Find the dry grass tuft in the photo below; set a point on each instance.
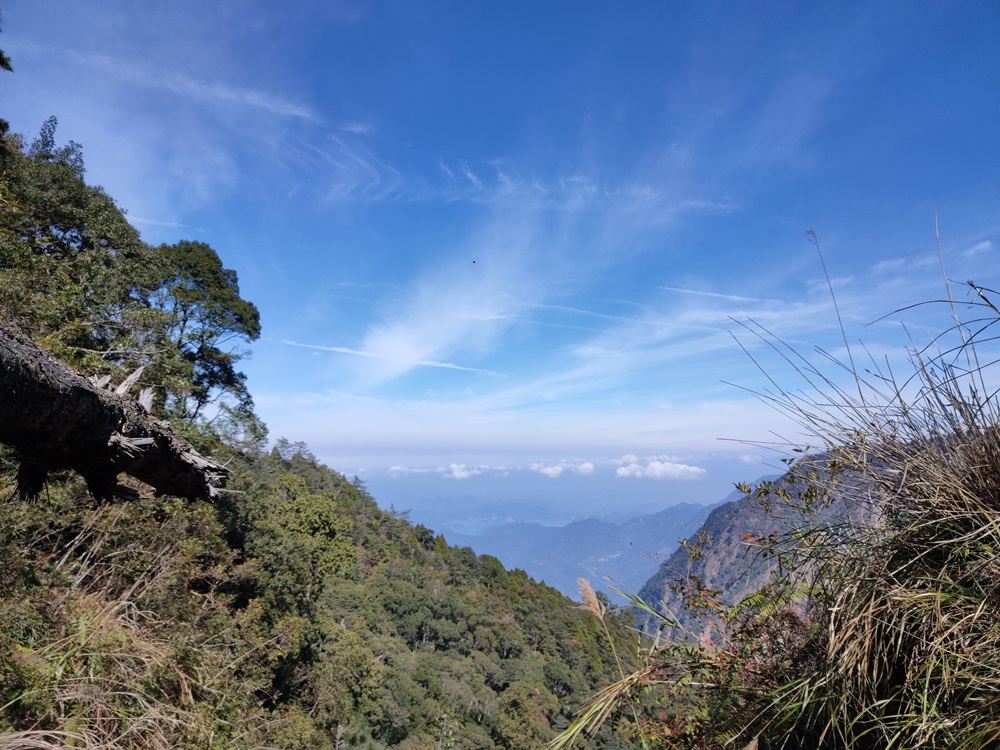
(880, 628)
(910, 597)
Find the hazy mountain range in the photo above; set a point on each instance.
(622, 554)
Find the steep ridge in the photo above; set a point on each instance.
(725, 555)
(726, 563)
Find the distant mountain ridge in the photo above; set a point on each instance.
(724, 565)
(627, 553)
(473, 516)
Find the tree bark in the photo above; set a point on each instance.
(57, 419)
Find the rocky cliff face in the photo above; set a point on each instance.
(726, 556)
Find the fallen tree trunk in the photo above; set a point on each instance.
(57, 419)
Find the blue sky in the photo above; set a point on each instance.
(500, 249)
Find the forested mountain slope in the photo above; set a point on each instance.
(290, 611)
(294, 615)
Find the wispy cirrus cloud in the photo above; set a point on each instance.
(512, 273)
(156, 222)
(460, 306)
(338, 167)
(201, 90)
(581, 311)
(377, 355)
(358, 128)
(984, 246)
(638, 199)
(719, 295)
(355, 172)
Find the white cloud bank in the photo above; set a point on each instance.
(553, 471)
(657, 467)
(461, 471)
(651, 467)
(451, 471)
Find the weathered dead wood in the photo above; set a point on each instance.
(57, 419)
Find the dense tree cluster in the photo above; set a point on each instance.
(298, 615)
(77, 277)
